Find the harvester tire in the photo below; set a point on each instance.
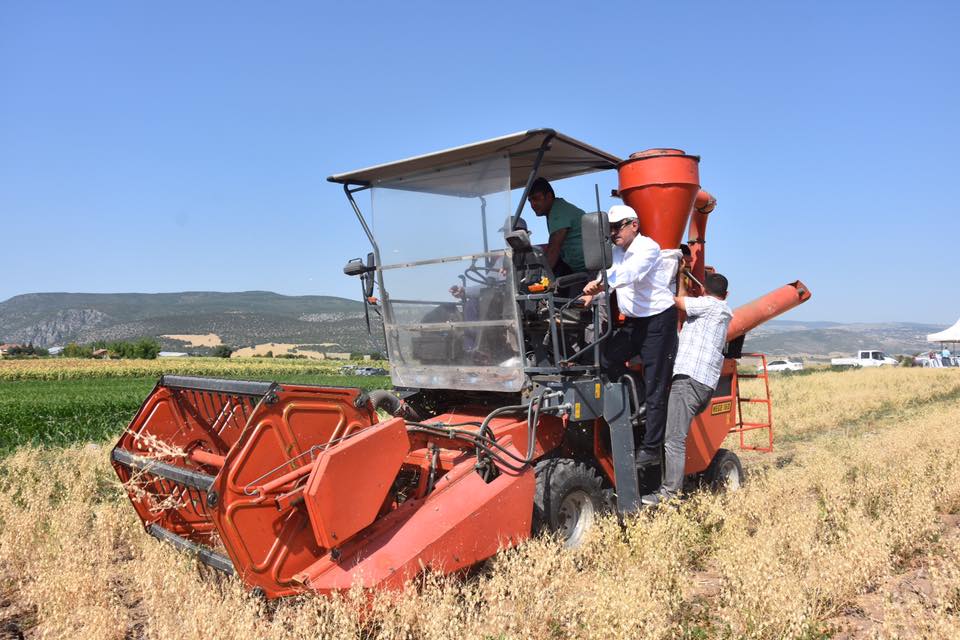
(725, 472)
(568, 499)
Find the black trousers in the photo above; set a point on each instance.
(654, 339)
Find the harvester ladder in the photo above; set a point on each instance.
(742, 427)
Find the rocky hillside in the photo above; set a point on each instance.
(829, 339)
(255, 317)
(243, 318)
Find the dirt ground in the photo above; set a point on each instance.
(195, 340)
(911, 589)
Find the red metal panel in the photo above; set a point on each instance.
(350, 481)
(189, 430)
(464, 521)
(709, 429)
(269, 539)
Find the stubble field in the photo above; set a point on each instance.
(849, 529)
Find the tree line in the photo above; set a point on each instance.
(144, 348)
(27, 350)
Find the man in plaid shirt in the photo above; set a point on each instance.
(696, 372)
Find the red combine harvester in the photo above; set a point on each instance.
(505, 424)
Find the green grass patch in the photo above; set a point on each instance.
(57, 413)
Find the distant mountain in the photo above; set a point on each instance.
(243, 318)
(256, 317)
(828, 339)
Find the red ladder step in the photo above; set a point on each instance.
(741, 426)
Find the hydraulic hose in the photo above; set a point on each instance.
(386, 401)
(483, 439)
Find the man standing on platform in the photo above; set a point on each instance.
(649, 330)
(695, 375)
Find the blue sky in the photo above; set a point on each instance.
(185, 146)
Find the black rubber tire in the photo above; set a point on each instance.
(725, 472)
(569, 496)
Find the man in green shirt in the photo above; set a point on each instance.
(565, 247)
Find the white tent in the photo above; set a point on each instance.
(947, 335)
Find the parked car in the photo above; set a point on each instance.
(370, 371)
(782, 365)
(865, 358)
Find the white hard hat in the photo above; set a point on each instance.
(620, 212)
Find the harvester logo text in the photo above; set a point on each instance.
(721, 407)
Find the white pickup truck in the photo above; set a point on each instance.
(865, 359)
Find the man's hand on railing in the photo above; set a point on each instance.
(593, 288)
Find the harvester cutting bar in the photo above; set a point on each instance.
(207, 556)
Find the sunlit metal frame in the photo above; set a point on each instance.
(565, 363)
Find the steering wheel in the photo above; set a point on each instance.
(476, 275)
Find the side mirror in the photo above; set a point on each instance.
(367, 278)
(597, 247)
(356, 267)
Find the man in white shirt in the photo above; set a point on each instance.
(695, 375)
(642, 282)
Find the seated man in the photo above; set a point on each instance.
(695, 375)
(564, 223)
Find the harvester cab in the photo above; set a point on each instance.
(472, 313)
(502, 423)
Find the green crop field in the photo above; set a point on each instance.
(54, 413)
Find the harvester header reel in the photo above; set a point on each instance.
(300, 488)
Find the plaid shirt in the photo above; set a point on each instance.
(700, 353)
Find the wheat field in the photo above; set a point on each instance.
(81, 368)
(849, 529)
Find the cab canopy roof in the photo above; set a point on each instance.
(565, 157)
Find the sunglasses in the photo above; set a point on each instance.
(616, 226)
